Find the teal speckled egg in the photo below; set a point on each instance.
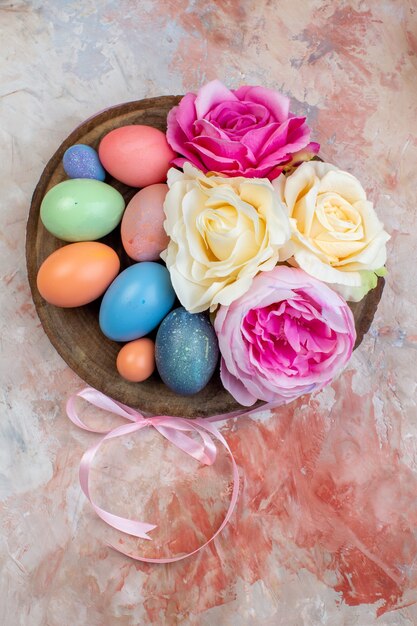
(186, 351)
(81, 209)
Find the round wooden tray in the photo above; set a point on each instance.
(75, 333)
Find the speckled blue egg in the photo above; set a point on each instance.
(186, 351)
(81, 161)
(136, 302)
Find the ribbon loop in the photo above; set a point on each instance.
(205, 453)
(177, 430)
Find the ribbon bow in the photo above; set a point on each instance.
(177, 430)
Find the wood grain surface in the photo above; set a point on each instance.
(75, 333)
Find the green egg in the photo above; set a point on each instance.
(81, 209)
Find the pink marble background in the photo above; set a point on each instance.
(325, 529)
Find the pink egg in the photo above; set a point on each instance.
(142, 230)
(136, 155)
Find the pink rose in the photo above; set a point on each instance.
(244, 132)
(290, 334)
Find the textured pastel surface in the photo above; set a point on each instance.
(186, 351)
(324, 532)
(82, 161)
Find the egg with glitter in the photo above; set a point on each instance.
(186, 351)
(81, 161)
(136, 302)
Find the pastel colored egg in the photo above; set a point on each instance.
(136, 155)
(77, 274)
(142, 230)
(186, 351)
(81, 209)
(136, 302)
(136, 360)
(81, 161)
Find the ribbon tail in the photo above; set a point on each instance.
(125, 525)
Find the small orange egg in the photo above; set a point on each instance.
(78, 273)
(136, 360)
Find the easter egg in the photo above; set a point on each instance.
(186, 351)
(77, 274)
(136, 155)
(136, 360)
(136, 302)
(81, 161)
(81, 209)
(142, 229)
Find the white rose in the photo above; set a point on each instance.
(336, 235)
(223, 231)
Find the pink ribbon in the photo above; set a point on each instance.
(177, 430)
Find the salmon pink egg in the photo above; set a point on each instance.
(136, 360)
(78, 273)
(136, 155)
(143, 233)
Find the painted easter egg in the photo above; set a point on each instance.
(186, 351)
(142, 229)
(136, 155)
(81, 161)
(77, 274)
(81, 209)
(136, 302)
(136, 360)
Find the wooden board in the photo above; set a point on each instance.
(75, 333)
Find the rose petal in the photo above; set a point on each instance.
(210, 95)
(276, 103)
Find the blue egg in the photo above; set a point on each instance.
(136, 301)
(186, 351)
(82, 161)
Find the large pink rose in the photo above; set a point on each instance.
(290, 334)
(247, 132)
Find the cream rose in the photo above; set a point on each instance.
(223, 231)
(336, 235)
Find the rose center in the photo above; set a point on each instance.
(231, 233)
(337, 228)
(237, 118)
(287, 336)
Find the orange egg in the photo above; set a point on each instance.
(78, 273)
(136, 360)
